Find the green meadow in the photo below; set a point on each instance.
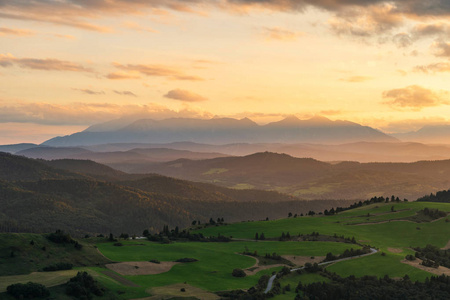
(215, 263)
(384, 226)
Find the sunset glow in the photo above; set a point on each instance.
(68, 64)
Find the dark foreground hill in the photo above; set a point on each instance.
(91, 198)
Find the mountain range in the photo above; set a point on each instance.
(223, 131)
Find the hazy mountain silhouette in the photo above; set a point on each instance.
(435, 134)
(13, 148)
(223, 131)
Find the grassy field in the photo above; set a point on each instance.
(380, 225)
(215, 263)
(376, 225)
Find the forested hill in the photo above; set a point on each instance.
(312, 179)
(35, 197)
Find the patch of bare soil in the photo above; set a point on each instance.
(302, 260)
(438, 271)
(446, 247)
(141, 267)
(174, 290)
(395, 250)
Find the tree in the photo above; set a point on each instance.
(194, 223)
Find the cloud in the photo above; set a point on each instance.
(441, 48)
(90, 92)
(137, 27)
(185, 96)
(434, 29)
(402, 40)
(65, 36)
(279, 34)
(360, 18)
(152, 70)
(125, 93)
(68, 20)
(48, 64)
(88, 113)
(356, 79)
(413, 97)
(122, 75)
(15, 32)
(366, 21)
(433, 68)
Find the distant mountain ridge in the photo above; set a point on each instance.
(223, 131)
(433, 134)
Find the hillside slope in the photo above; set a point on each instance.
(39, 198)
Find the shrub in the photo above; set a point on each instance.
(186, 260)
(28, 290)
(155, 261)
(238, 273)
(58, 266)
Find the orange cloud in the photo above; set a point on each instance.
(434, 68)
(442, 48)
(125, 93)
(413, 97)
(89, 113)
(48, 64)
(154, 70)
(280, 34)
(16, 32)
(122, 75)
(90, 92)
(185, 96)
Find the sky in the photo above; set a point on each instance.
(69, 64)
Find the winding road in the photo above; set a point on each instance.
(271, 279)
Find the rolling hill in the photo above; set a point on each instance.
(311, 179)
